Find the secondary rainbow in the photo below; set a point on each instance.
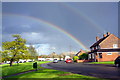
(81, 14)
(54, 27)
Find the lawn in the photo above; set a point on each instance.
(8, 70)
(41, 74)
(108, 62)
(46, 74)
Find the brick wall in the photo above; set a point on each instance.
(79, 61)
(108, 42)
(106, 57)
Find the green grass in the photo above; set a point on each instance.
(108, 62)
(8, 70)
(50, 74)
(41, 74)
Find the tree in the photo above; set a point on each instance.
(83, 56)
(14, 50)
(5, 55)
(60, 56)
(75, 58)
(63, 55)
(72, 55)
(53, 55)
(44, 56)
(33, 53)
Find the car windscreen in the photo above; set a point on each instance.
(69, 59)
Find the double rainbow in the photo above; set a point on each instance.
(52, 26)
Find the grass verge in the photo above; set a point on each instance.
(46, 74)
(41, 74)
(108, 62)
(8, 70)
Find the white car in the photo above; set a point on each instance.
(55, 61)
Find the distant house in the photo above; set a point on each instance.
(106, 48)
(80, 52)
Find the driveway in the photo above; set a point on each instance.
(101, 71)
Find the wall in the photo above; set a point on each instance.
(109, 41)
(79, 61)
(106, 57)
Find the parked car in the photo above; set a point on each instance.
(24, 61)
(68, 61)
(60, 60)
(117, 61)
(55, 61)
(20, 62)
(8, 62)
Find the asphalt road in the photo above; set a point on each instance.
(101, 71)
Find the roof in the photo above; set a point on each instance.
(80, 52)
(99, 41)
(106, 50)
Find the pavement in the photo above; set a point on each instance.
(95, 70)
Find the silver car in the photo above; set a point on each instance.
(55, 61)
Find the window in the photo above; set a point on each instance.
(115, 45)
(89, 56)
(98, 47)
(100, 55)
(109, 53)
(93, 56)
(92, 48)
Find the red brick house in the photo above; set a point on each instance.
(80, 52)
(106, 48)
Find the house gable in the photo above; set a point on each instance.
(80, 52)
(109, 42)
(105, 49)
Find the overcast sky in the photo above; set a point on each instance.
(84, 21)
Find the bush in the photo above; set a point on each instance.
(84, 56)
(75, 58)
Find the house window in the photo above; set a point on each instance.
(93, 56)
(115, 45)
(92, 48)
(89, 56)
(98, 47)
(109, 53)
(100, 55)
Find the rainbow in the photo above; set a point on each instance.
(81, 14)
(52, 26)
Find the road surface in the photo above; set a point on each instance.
(101, 71)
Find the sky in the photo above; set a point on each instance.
(59, 26)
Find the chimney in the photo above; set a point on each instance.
(108, 33)
(97, 38)
(104, 35)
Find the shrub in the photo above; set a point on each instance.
(75, 58)
(83, 56)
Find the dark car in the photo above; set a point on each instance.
(117, 61)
